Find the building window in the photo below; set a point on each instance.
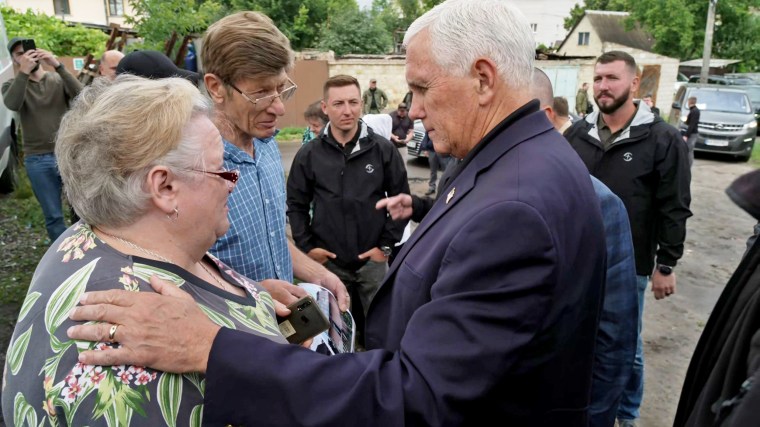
(534, 27)
(116, 7)
(61, 7)
(583, 39)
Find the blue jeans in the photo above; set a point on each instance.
(634, 389)
(47, 186)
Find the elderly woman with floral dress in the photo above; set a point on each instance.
(142, 166)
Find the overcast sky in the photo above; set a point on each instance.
(364, 4)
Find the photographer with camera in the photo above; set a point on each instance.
(41, 98)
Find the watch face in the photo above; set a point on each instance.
(664, 269)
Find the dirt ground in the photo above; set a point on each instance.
(715, 241)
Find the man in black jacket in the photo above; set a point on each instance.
(644, 162)
(692, 129)
(344, 172)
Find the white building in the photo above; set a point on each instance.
(602, 31)
(98, 12)
(547, 19)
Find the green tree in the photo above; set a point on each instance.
(576, 13)
(678, 26)
(299, 20)
(155, 20)
(355, 31)
(50, 33)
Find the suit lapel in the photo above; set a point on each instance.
(525, 129)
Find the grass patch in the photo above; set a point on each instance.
(23, 240)
(755, 158)
(290, 134)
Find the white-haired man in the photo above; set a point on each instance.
(490, 310)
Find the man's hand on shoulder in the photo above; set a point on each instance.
(165, 330)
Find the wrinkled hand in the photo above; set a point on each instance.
(398, 206)
(374, 254)
(27, 62)
(663, 286)
(321, 255)
(165, 330)
(283, 292)
(47, 58)
(332, 283)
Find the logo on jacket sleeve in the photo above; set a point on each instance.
(628, 156)
(369, 168)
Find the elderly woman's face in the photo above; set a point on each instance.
(206, 199)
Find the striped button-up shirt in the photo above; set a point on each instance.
(256, 245)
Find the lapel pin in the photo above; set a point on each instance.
(450, 195)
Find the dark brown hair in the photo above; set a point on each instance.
(560, 106)
(340, 80)
(618, 55)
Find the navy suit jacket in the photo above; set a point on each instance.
(489, 312)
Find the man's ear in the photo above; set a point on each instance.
(485, 72)
(215, 88)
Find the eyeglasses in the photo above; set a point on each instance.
(266, 101)
(231, 176)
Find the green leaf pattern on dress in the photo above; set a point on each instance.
(119, 391)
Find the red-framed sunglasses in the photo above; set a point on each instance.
(231, 176)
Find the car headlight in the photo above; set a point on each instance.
(750, 125)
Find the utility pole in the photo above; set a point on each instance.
(707, 50)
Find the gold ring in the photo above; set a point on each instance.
(112, 332)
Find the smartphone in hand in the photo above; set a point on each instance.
(28, 44)
(305, 321)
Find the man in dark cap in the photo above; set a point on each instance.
(402, 129)
(41, 98)
(153, 65)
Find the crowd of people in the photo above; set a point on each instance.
(519, 297)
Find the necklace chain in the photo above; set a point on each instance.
(160, 257)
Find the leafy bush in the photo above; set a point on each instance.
(50, 33)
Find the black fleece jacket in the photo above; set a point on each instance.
(344, 190)
(647, 166)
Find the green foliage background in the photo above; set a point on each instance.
(678, 26)
(50, 33)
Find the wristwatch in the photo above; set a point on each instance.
(386, 250)
(665, 270)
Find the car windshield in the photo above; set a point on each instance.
(754, 94)
(718, 100)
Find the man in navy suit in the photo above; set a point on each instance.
(489, 312)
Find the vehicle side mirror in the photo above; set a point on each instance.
(676, 106)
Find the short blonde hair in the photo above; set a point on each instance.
(245, 45)
(115, 133)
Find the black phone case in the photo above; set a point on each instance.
(28, 44)
(306, 320)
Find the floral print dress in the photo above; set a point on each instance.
(45, 385)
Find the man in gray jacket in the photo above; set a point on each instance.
(41, 98)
